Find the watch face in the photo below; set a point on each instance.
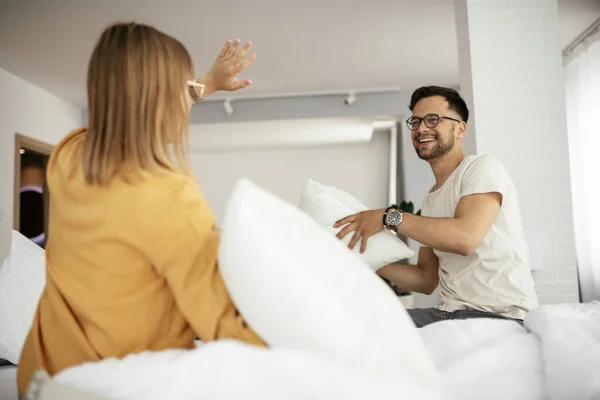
(394, 218)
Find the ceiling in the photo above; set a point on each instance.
(308, 46)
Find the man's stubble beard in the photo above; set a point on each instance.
(440, 150)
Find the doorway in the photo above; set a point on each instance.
(31, 201)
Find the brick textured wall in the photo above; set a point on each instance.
(517, 86)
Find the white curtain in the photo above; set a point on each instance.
(582, 73)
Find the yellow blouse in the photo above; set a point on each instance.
(129, 268)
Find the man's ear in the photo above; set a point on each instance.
(461, 130)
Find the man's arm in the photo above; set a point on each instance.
(482, 188)
(461, 234)
(422, 278)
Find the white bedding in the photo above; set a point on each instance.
(484, 359)
(8, 383)
(231, 370)
(570, 347)
(556, 358)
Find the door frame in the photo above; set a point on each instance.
(37, 146)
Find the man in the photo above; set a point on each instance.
(473, 242)
(32, 222)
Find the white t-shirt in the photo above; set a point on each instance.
(496, 277)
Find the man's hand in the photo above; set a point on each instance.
(364, 224)
(226, 68)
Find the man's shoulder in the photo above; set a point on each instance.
(481, 160)
(482, 164)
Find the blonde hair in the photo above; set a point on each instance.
(136, 100)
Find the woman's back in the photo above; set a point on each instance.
(131, 256)
(128, 265)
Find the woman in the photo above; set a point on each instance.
(131, 262)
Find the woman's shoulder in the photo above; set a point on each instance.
(166, 204)
(180, 203)
(178, 189)
(174, 184)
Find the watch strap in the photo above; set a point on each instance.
(192, 85)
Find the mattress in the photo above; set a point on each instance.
(8, 382)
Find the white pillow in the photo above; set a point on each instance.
(300, 288)
(22, 279)
(327, 205)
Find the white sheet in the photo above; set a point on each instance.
(231, 370)
(8, 383)
(557, 358)
(570, 347)
(484, 359)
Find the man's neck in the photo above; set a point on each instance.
(444, 166)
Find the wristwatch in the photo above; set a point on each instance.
(392, 217)
(192, 85)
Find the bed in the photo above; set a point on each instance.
(554, 356)
(478, 359)
(8, 382)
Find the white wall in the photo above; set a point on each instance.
(279, 133)
(33, 112)
(360, 168)
(512, 79)
(518, 89)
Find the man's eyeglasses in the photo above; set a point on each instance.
(196, 91)
(430, 120)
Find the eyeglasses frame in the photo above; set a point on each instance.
(440, 117)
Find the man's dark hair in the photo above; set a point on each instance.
(456, 103)
(31, 160)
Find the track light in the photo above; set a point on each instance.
(350, 99)
(228, 107)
